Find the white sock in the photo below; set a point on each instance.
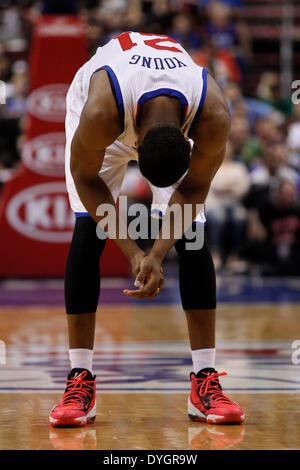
(203, 358)
(81, 359)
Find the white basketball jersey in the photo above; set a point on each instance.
(142, 66)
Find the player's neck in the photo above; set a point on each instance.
(160, 111)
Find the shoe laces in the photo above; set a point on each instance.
(209, 385)
(77, 389)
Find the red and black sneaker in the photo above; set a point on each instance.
(207, 401)
(78, 406)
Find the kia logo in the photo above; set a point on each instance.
(48, 102)
(42, 212)
(45, 154)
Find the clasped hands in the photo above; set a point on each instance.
(148, 275)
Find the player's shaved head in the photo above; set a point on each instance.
(164, 155)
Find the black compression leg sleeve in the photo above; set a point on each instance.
(196, 277)
(82, 277)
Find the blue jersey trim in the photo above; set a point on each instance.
(197, 222)
(161, 215)
(81, 214)
(118, 93)
(201, 104)
(161, 91)
(157, 212)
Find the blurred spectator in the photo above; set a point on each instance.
(220, 27)
(224, 209)
(225, 33)
(250, 108)
(268, 130)
(293, 139)
(60, 7)
(232, 3)
(16, 89)
(220, 63)
(96, 34)
(10, 23)
(10, 114)
(157, 14)
(279, 250)
(246, 147)
(5, 70)
(268, 90)
(114, 14)
(183, 31)
(12, 37)
(268, 176)
(265, 181)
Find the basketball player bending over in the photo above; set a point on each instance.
(141, 97)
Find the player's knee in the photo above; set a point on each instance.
(82, 277)
(197, 278)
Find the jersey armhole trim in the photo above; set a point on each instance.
(201, 103)
(81, 214)
(161, 91)
(116, 89)
(157, 214)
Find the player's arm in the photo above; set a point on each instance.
(210, 136)
(98, 128)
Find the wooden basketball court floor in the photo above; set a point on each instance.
(142, 361)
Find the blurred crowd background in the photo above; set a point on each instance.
(253, 209)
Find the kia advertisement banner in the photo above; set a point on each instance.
(44, 154)
(36, 221)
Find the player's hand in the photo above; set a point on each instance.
(135, 262)
(149, 280)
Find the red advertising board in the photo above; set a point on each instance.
(36, 221)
